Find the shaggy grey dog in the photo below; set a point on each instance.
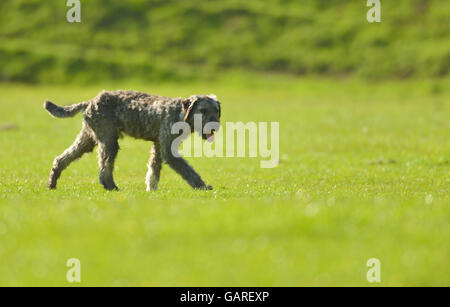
(142, 116)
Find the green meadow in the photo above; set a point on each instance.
(364, 143)
(363, 172)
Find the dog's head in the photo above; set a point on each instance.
(204, 107)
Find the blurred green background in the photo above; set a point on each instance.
(179, 40)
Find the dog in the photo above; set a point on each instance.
(140, 115)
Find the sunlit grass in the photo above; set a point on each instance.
(364, 172)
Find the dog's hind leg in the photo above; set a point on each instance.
(154, 168)
(83, 144)
(107, 153)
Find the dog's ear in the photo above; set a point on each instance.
(220, 108)
(188, 104)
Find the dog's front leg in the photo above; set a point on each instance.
(188, 173)
(179, 165)
(154, 168)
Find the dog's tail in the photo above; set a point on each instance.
(63, 112)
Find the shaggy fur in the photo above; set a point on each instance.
(140, 115)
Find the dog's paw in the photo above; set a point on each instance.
(51, 185)
(204, 188)
(112, 188)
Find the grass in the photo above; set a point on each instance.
(184, 39)
(364, 173)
